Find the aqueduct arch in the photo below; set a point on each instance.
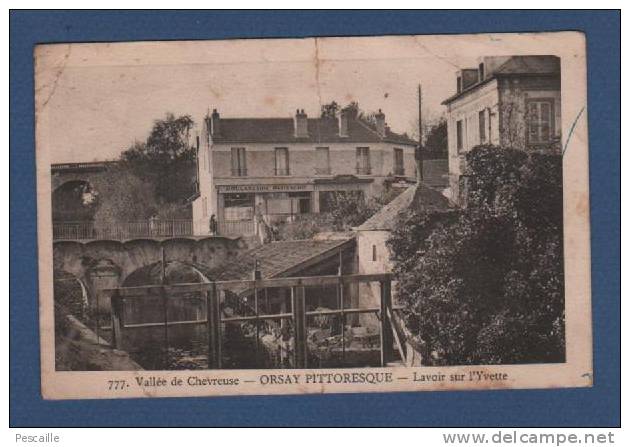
(108, 264)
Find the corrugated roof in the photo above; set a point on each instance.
(416, 197)
(320, 130)
(516, 65)
(275, 258)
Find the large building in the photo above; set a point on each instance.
(271, 169)
(508, 101)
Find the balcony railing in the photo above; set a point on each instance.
(399, 170)
(121, 230)
(364, 170)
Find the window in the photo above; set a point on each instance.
(459, 84)
(399, 162)
(238, 207)
(481, 72)
(460, 135)
(540, 121)
(374, 253)
(363, 161)
(482, 126)
(239, 162)
(282, 161)
(323, 161)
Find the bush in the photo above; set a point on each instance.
(485, 285)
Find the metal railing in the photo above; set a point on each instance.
(217, 319)
(236, 227)
(121, 230)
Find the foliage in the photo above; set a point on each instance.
(436, 139)
(485, 284)
(303, 228)
(330, 110)
(350, 208)
(166, 159)
(126, 196)
(344, 210)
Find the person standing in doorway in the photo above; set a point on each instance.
(213, 225)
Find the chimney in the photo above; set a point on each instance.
(300, 124)
(344, 117)
(381, 129)
(215, 123)
(470, 76)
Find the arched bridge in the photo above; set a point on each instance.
(101, 264)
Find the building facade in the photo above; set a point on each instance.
(274, 169)
(507, 101)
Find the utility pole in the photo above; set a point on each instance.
(419, 150)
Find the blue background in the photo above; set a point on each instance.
(597, 406)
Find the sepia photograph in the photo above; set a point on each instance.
(313, 215)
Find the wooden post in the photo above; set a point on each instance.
(299, 320)
(257, 274)
(116, 309)
(386, 324)
(214, 328)
(342, 306)
(420, 154)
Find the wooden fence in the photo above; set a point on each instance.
(216, 319)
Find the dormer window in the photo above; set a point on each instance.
(459, 84)
(481, 72)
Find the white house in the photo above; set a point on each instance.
(277, 168)
(508, 101)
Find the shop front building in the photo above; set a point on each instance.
(271, 170)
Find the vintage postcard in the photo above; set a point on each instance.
(318, 215)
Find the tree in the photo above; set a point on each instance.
(166, 159)
(485, 284)
(125, 197)
(330, 110)
(436, 139)
(435, 135)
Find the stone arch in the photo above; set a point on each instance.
(148, 344)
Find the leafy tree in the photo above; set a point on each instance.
(330, 110)
(485, 284)
(349, 209)
(125, 197)
(166, 159)
(436, 140)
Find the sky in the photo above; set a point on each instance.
(94, 100)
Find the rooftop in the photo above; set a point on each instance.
(419, 197)
(278, 259)
(515, 65)
(320, 130)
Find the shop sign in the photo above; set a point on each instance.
(264, 188)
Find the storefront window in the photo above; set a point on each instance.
(238, 207)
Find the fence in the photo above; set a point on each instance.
(236, 227)
(298, 349)
(121, 230)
